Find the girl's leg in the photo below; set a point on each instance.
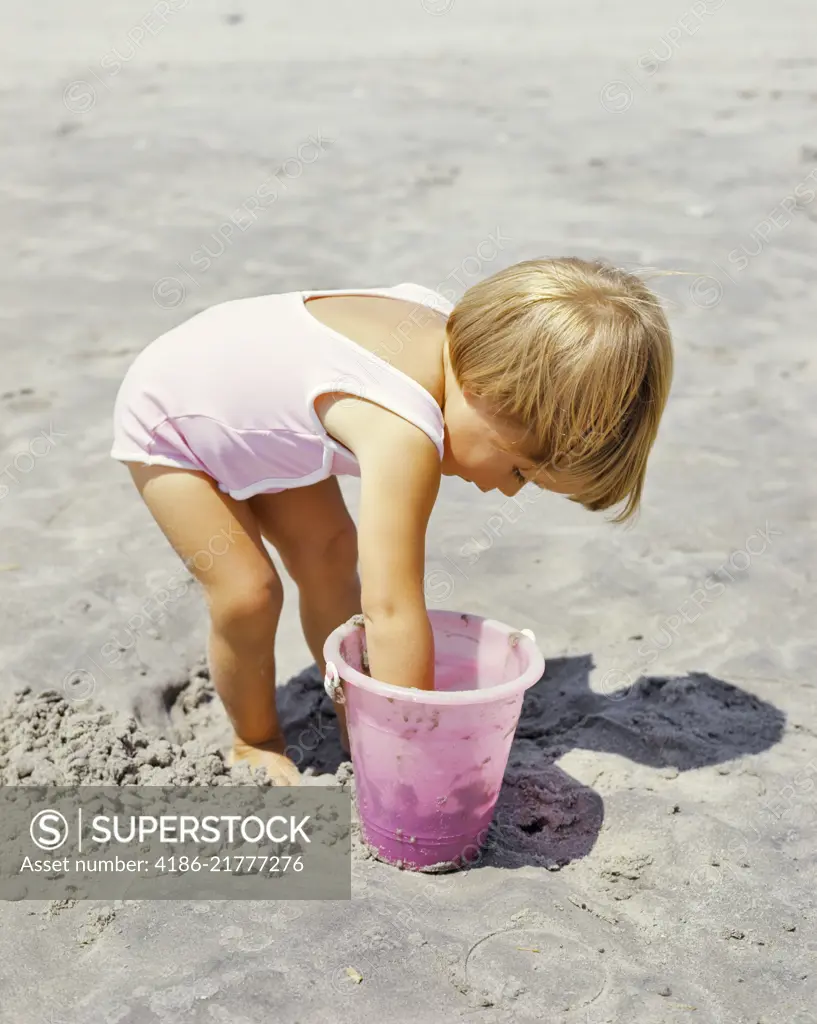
(316, 538)
(219, 541)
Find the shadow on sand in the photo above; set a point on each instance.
(544, 816)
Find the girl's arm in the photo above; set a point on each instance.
(400, 478)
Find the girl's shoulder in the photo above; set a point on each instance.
(425, 296)
(408, 290)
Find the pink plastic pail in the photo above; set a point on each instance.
(429, 764)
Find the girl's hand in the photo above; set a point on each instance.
(269, 756)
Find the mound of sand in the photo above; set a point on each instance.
(48, 739)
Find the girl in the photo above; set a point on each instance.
(235, 424)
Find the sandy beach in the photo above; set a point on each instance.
(651, 859)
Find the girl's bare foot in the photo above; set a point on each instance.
(270, 756)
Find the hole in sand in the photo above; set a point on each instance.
(534, 826)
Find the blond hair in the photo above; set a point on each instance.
(577, 353)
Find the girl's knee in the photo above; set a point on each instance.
(341, 551)
(246, 606)
(335, 558)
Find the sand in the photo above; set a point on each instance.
(47, 739)
(544, 818)
(652, 856)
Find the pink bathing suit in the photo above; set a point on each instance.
(231, 392)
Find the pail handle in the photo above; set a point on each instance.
(333, 685)
(513, 639)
